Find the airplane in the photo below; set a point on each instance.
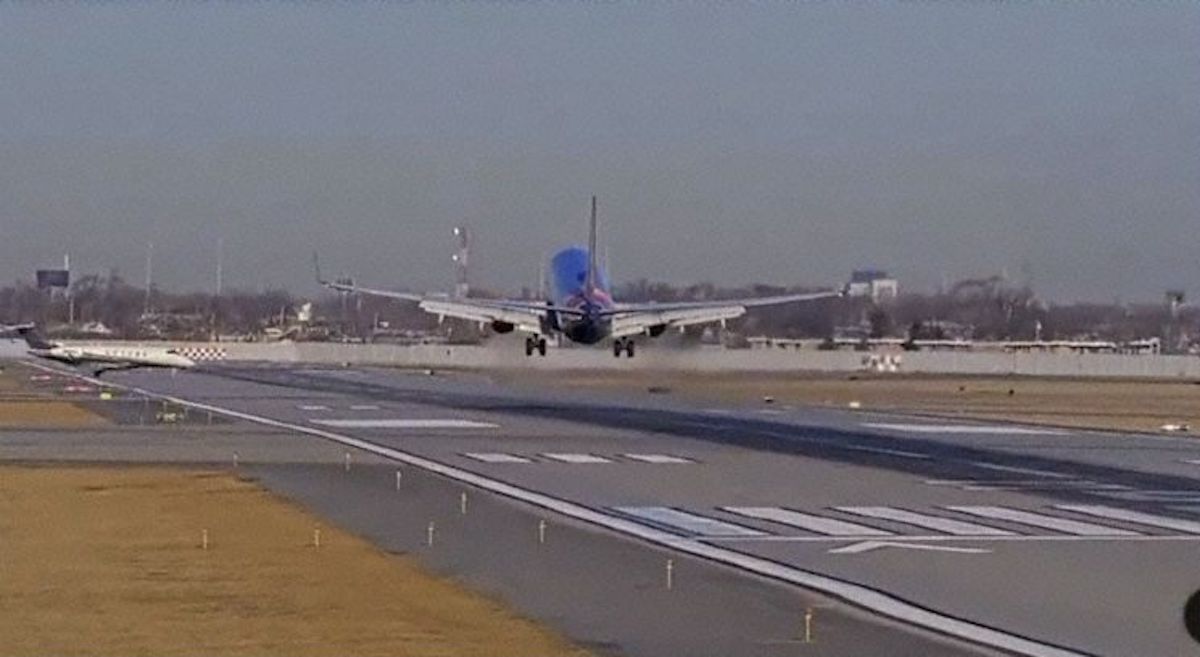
(105, 358)
(582, 308)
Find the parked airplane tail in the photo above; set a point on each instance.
(33, 338)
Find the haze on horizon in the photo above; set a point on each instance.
(780, 143)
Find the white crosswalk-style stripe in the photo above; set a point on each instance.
(496, 457)
(806, 521)
(936, 523)
(1136, 517)
(576, 458)
(1074, 527)
(658, 458)
(690, 523)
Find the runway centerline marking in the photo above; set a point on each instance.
(364, 407)
(406, 424)
(312, 407)
(875, 600)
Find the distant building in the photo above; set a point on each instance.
(873, 283)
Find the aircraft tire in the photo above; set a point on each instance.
(541, 346)
(629, 349)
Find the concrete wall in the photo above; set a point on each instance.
(508, 353)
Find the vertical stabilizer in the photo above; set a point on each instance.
(592, 272)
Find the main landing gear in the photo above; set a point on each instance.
(623, 344)
(535, 343)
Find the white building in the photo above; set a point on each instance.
(873, 283)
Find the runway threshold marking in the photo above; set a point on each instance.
(577, 459)
(966, 428)
(691, 523)
(1136, 517)
(1055, 523)
(496, 457)
(868, 598)
(405, 424)
(806, 521)
(936, 523)
(666, 459)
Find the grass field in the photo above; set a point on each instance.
(1103, 404)
(23, 405)
(101, 561)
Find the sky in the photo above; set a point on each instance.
(732, 143)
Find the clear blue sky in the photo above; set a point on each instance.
(728, 142)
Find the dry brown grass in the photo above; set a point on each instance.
(46, 414)
(1104, 404)
(101, 561)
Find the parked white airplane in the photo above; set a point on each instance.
(582, 308)
(103, 358)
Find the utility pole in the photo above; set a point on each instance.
(461, 260)
(149, 276)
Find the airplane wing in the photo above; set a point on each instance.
(639, 318)
(526, 316)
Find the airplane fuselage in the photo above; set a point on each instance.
(121, 356)
(569, 269)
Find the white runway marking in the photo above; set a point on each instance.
(364, 407)
(406, 424)
(1136, 517)
(1153, 495)
(889, 452)
(871, 599)
(807, 522)
(577, 458)
(1009, 468)
(496, 457)
(966, 428)
(688, 522)
(936, 523)
(312, 407)
(870, 546)
(657, 458)
(1045, 522)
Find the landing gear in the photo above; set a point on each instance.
(535, 343)
(623, 345)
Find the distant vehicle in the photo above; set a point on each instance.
(103, 358)
(582, 308)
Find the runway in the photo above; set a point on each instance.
(1034, 541)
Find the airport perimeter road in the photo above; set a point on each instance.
(1037, 541)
